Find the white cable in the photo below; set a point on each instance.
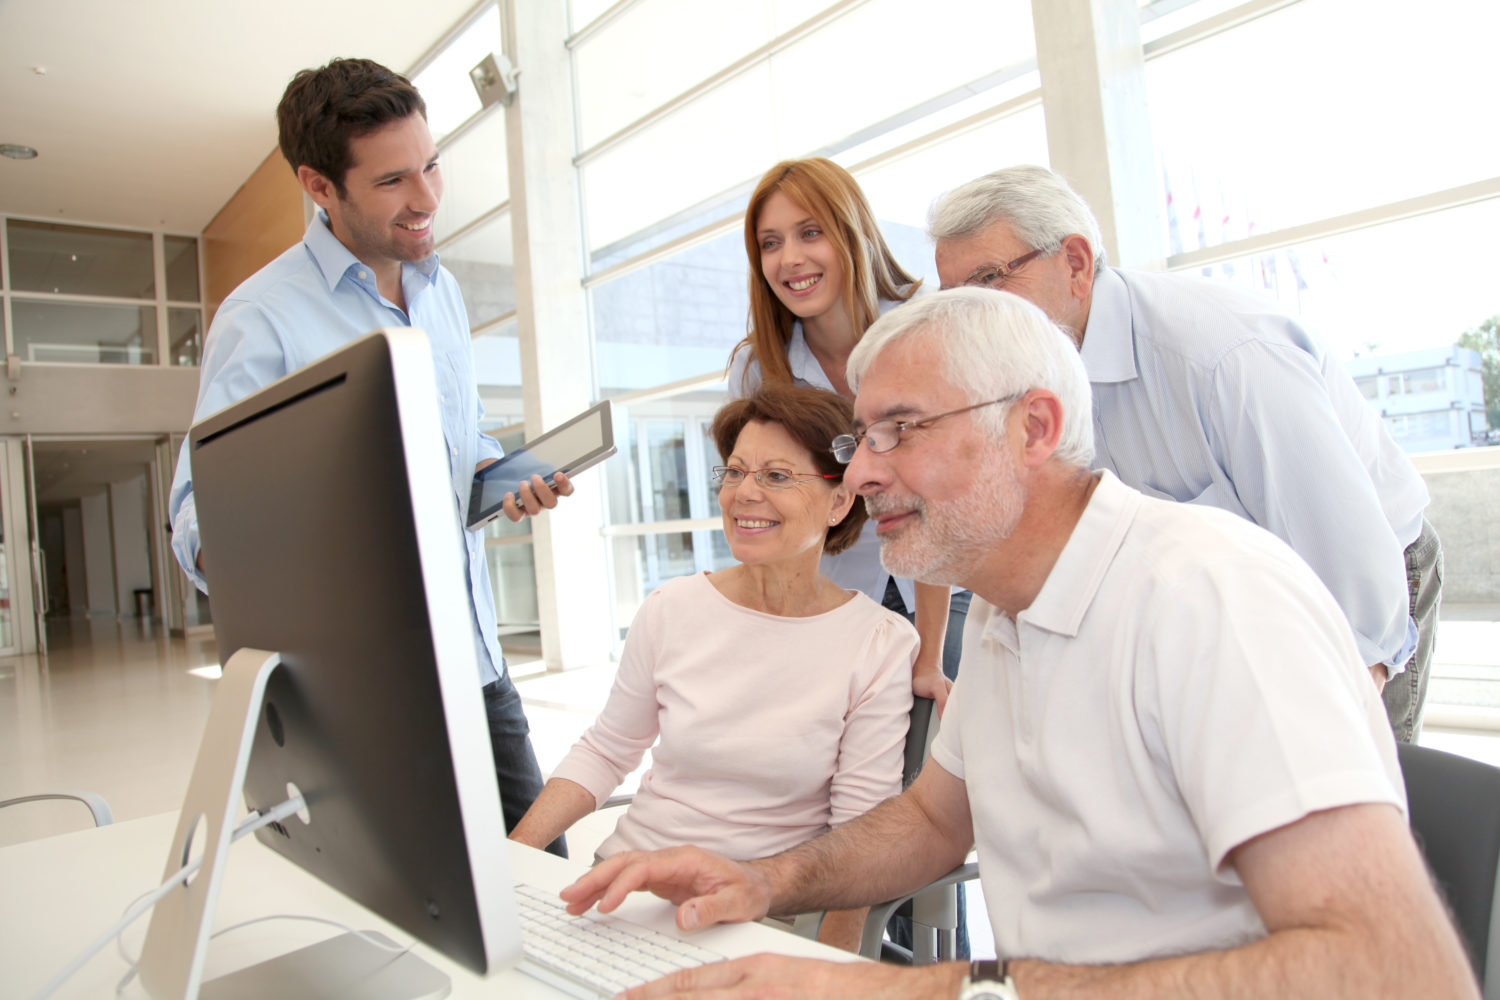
(249, 825)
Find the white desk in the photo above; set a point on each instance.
(58, 894)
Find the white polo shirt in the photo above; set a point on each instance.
(1182, 683)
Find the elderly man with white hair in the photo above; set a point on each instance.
(1206, 393)
(1163, 742)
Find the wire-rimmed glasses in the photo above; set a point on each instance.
(771, 479)
(883, 435)
(994, 276)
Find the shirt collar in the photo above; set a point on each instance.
(1109, 336)
(803, 363)
(335, 260)
(1085, 558)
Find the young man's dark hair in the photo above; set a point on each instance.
(324, 108)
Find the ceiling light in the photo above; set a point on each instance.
(16, 151)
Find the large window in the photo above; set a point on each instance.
(825, 80)
(1351, 210)
(663, 507)
(1321, 108)
(90, 295)
(674, 127)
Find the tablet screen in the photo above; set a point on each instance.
(571, 447)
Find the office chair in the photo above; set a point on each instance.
(98, 808)
(933, 909)
(1454, 804)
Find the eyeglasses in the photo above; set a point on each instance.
(771, 479)
(995, 276)
(884, 435)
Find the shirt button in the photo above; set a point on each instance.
(455, 452)
(364, 275)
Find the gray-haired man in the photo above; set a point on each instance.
(1163, 740)
(1208, 394)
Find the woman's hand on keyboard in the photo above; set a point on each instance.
(706, 888)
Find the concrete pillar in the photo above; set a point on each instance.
(1088, 53)
(557, 377)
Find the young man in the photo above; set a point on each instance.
(1179, 778)
(356, 136)
(1206, 394)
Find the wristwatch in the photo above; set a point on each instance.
(989, 980)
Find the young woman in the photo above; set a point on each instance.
(820, 274)
(774, 702)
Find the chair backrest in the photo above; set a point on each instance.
(1455, 816)
(919, 734)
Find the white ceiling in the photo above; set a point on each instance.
(152, 113)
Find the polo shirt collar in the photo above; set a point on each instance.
(1085, 559)
(1108, 336)
(334, 260)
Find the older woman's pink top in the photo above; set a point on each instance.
(767, 730)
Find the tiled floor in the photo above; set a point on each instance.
(117, 708)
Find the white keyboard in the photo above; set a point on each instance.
(595, 955)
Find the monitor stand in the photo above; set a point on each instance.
(181, 924)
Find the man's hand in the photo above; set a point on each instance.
(790, 978)
(534, 496)
(1379, 674)
(706, 888)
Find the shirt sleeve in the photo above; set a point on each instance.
(873, 743)
(183, 511)
(743, 377)
(628, 725)
(243, 353)
(1258, 734)
(1297, 475)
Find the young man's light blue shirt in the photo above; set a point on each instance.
(313, 299)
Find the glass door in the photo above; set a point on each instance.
(22, 586)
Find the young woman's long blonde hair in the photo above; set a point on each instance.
(831, 196)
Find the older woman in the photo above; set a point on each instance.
(775, 702)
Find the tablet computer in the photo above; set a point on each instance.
(584, 441)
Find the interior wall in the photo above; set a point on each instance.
(262, 219)
(78, 597)
(98, 554)
(127, 512)
(101, 399)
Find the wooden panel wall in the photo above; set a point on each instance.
(262, 219)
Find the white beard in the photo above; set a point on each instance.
(949, 538)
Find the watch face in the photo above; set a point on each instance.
(987, 990)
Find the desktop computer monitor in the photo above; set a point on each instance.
(331, 536)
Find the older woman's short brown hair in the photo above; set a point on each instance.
(813, 417)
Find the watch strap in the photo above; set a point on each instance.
(989, 979)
